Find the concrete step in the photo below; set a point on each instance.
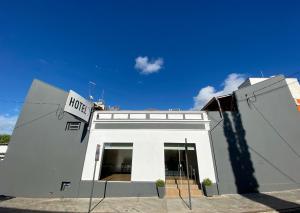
(182, 186)
(174, 193)
(176, 177)
(173, 181)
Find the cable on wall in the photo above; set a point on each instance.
(275, 130)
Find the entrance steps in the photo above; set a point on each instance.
(178, 187)
(179, 181)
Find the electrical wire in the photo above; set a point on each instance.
(251, 103)
(275, 130)
(273, 165)
(27, 102)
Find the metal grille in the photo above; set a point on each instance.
(73, 125)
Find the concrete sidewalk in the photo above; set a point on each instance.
(286, 201)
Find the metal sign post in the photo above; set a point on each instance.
(187, 171)
(93, 182)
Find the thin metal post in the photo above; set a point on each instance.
(187, 171)
(93, 182)
(179, 165)
(92, 191)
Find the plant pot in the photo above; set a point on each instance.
(161, 192)
(209, 191)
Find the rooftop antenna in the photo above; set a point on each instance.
(91, 84)
(262, 74)
(102, 95)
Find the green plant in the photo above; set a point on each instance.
(207, 182)
(160, 183)
(4, 139)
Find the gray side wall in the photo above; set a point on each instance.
(257, 148)
(41, 154)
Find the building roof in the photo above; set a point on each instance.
(225, 101)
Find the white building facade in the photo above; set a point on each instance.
(148, 145)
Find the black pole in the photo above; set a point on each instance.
(187, 171)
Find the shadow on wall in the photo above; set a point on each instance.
(242, 165)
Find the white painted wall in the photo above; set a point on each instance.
(148, 151)
(3, 148)
(251, 81)
(294, 87)
(257, 80)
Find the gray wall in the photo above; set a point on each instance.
(42, 154)
(257, 148)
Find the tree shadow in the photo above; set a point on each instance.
(242, 166)
(15, 210)
(4, 198)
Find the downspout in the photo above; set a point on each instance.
(220, 108)
(89, 125)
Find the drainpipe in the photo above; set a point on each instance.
(219, 106)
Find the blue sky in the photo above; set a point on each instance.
(180, 48)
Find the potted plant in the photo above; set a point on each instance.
(208, 187)
(160, 186)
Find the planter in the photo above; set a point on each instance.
(209, 191)
(161, 192)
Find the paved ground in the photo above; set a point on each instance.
(287, 201)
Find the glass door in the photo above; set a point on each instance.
(175, 164)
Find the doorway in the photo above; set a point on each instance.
(116, 162)
(175, 163)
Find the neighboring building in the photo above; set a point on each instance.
(255, 136)
(3, 149)
(52, 152)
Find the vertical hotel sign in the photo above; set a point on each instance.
(78, 106)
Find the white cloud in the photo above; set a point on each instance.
(146, 66)
(7, 123)
(230, 84)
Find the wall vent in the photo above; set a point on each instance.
(73, 125)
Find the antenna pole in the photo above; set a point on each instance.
(90, 90)
(102, 95)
